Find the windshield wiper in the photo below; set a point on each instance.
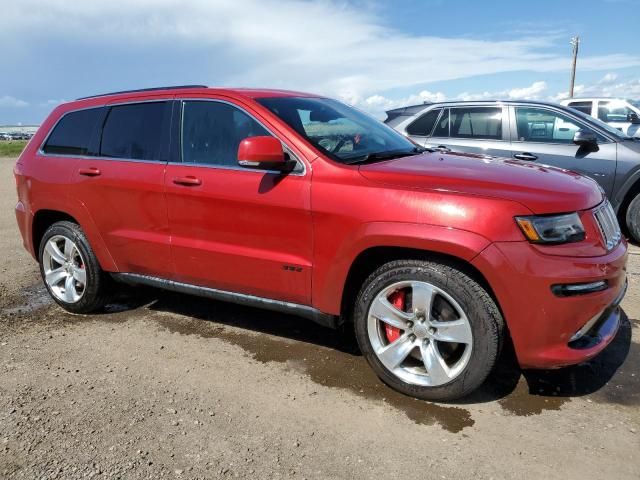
(376, 156)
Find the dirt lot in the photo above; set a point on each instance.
(171, 386)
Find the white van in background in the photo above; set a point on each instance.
(617, 112)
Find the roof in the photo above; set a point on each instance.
(413, 109)
(265, 92)
(245, 92)
(507, 102)
(591, 98)
(406, 111)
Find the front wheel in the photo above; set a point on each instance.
(70, 269)
(427, 329)
(633, 219)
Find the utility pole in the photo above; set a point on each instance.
(575, 41)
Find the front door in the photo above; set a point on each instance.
(234, 228)
(545, 135)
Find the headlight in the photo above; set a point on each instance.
(552, 229)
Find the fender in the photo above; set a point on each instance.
(330, 272)
(79, 211)
(630, 180)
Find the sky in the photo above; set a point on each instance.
(373, 54)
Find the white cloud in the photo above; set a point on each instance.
(607, 86)
(609, 78)
(9, 101)
(52, 102)
(378, 104)
(328, 46)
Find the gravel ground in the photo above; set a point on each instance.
(163, 385)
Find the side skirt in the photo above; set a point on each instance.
(305, 311)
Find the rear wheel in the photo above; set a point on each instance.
(70, 269)
(633, 218)
(427, 329)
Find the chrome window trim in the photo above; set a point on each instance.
(42, 153)
(287, 148)
(53, 127)
(515, 103)
(111, 159)
(419, 116)
(578, 120)
(476, 139)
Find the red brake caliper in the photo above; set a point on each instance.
(397, 299)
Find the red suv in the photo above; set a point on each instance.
(301, 204)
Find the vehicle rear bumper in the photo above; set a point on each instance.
(24, 219)
(543, 324)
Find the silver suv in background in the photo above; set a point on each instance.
(617, 112)
(540, 132)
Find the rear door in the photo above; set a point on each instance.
(233, 228)
(122, 185)
(545, 135)
(474, 129)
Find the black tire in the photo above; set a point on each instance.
(98, 287)
(633, 219)
(487, 325)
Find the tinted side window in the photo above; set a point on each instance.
(212, 132)
(442, 127)
(542, 125)
(72, 134)
(476, 122)
(424, 124)
(135, 131)
(584, 107)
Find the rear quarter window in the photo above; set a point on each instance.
(73, 133)
(423, 126)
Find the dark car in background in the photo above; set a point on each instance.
(540, 132)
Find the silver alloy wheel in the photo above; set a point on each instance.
(64, 269)
(422, 353)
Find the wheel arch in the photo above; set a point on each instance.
(337, 270)
(43, 218)
(372, 258)
(629, 190)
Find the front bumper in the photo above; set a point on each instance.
(547, 329)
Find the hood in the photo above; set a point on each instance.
(542, 189)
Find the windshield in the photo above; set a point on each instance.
(344, 133)
(600, 124)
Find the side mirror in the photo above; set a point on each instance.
(265, 153)
(633, 118)
(585, 137)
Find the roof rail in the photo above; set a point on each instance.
(143, 90)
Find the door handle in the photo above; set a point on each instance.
(89, 172)
(525, 156)
(442, 148)
(188, 181)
